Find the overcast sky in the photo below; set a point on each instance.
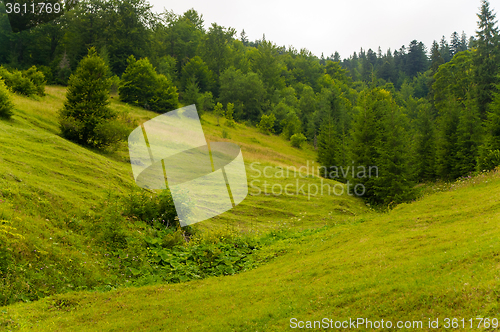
(343, 26)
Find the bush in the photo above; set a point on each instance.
(266, 124)
(297, 140)
(85, 113)
(47, 73)
(152, 208)
(38, 79)
(142, 86)
(6, 105)
(17, 82)
(165, 97)
(109, 133)
(115, 83)
(206, 102)
(229, 115)
(219, 112)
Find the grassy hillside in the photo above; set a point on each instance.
(433, 259)
(62, 202)
(320, 256)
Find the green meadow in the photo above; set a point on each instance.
(313, 256)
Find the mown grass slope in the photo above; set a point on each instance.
(436, 258)
(433, 259)
(53, 193)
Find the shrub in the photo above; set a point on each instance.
(142, 86)
(6, 105)
(297, 140)
(219, 112)
(47, 73)
(115, 83)
(17, 82)
(266, 124)
(165, 97)
(86, 108)
(229, 115)
(205, 102)
(38, 79)
(151, 207)
(109, 133)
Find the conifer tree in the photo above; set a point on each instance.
(486, 58)
(425, 144)
(489, 154)
(86, 117)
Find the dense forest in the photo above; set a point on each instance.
(417, 114)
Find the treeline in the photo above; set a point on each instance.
(402, 65)
(416, 116)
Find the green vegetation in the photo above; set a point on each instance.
(5, 102)
(434, 258)
(372, 180)
(142, 86)
(86, 117)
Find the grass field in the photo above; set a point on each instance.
(330, 256)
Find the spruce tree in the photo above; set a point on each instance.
(86, 117)
(425, 146)
(447, 141)
(489, 153)
(394, 183)
(486, 58)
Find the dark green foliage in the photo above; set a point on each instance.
(486, 58)
(246, 91)
(489, 154)
(165, 97)
(17, 82)
(181, 264)
(379, 140)
(425, 144)
(205, 102)
(447, 164)
(459, 126)
(191, 94)
(266, 124)
(297, 139)
(28, 83)
(6, 105)
(141, 85)
(151, 207)
(86, 118)
(38, 79)
(332, 122)
(198, 70)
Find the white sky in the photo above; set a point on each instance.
(343, 26)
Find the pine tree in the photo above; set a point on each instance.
(394, 184)
(468, 137)
(444, 49)
(86, 117)
(425, 144)
(455, 44)
(327, 144)
(447, 139)
(365, 141)
(489, 152)
(436, 58)
(486, 58)
(379, 140)
(192, 93)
